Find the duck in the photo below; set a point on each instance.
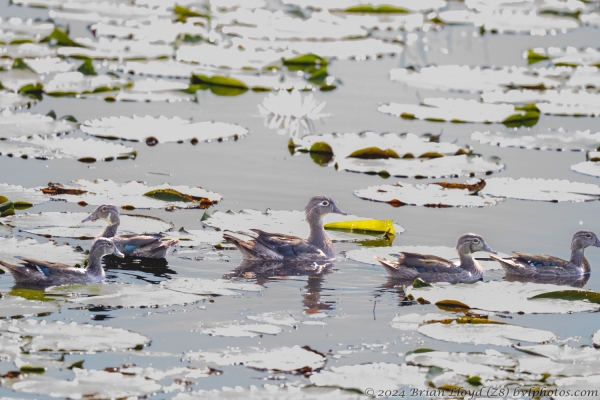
(430, 268)
(544, 266)
(45, 273)
(277, 246)
(147, 245)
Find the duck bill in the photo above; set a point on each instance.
(597, 244)
(91, 217)
(489, 249)
(117, 253)
(336, 210)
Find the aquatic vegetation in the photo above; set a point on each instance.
(291, 113)
(20, 125)
(554, 190)
(11, 247)
(590, 167)
(559, 139)
(568, 56)
(11, 101)
(17, 306)
(22, 197)
(554, 102)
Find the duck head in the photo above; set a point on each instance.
(105, 212)
(471, 243)
(104, 246)
(320, 206)
(583, 239)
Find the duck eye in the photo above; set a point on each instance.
(105, 209)
(588, 236)
(475, 240)
(325, 203)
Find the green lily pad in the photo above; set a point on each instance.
(16, 125)
(571, 295)
(150, 90)
(29, 50)
(48, 65)
(94, 11)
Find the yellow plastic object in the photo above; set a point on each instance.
(368, 225)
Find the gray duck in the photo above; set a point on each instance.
(147, 245)
(45, 273)
(430, 268)
(277, 246)
(544, 266)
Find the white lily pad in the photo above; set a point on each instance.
(26, 124)
(568, 6)
(411, 322)
(116, 49)
(502, 297)
(68, 224)
(127, 296)
(161, 129)
(495, 334)
(50, 147)
(428, 195)
(286, 222)
(343, 5)
(148, 90)
(555, 102)
(282, 359)
(20, 80)
(442, 167)
(269, 392)
(569, 56)
(158, 30)
(94, 11)
(232, 57)
(554, 190)
(11, 306)
(195, 237)
(21, 194)
(291, 113)
(243, 330)
(580, 386)
(219, 287)
(489, 364)
(458, 111)
(49, 251)
(588, 167)
(28, 50)
(277, 318)
(11, 101)
(76, 83)
(367, 376)
(552, 140)
(47, 65)
(133, 194)
(560, 360)
(89, 384)
(59, 337)
(15, 30)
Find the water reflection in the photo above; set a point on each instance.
(268, 271)
(395, 285)
(144, 267)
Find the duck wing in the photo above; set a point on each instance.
(132, 242)
(539, 260)
(287, 245)
(39, 272)
(425, 263)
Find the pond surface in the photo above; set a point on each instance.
(346, 311)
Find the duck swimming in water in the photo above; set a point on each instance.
(45, 273)
(277, 246)
(430, 268)
(544, 266)
(147, 245)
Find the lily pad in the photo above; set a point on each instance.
(552, 140)
(116, 49)
(495, 334)
(286, 222)
(47, 65)
(589, 167)
(68, 224)
(149, 90)
(17, 306)
(243, 330)
(161, 129)
(462, 111)
(554, 102)
(568, 56)
(218, 287)
(195, 237)
(489, 364)
(411, 322)
(60, 337)
(221, 57)
(17, 30)
(29, 50)
(443, 167)
(26, 124)
(124, 296)
(276, 318)
(76, 83)
(282, 359)
(89, 384)
(153, 31)
(366, 376)
(11, 101)
(133, 194)
(50, 147)
(93, 11)
(372, 145)
(493, 296)
(23, 196)
(554, 190)
(429, 195)
(12, 247)
(356, 6)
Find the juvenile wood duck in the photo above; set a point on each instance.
(147, 245)
(430, 268)
(277, 246)
(45, 273)
(544, 266)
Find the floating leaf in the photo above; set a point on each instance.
(47, 65)
(410, 322)
(17, 30)
(365, 376)
(442, 167)
(50, 147)
(589, 167)
(93, 11)
(76, 83)
(554, 190)
(428, 195)
(50, 251)
(26, 124)
(11, 101)
(275, 318)
(282, 359)
(132, 194)
(89, 384)
(502, 297)
(153, 31)
(22, 195)
(161, 129)
(150, 90)
(60, 337)
(61, 38)
(571, 295)
(245, 330)
(555, 102)
(552, 140)
(13, 306)
(461, 111)
(343, 5)
(196, 237)
(569, 56)
(219, 287)
(68, 224)
(221, 57)
(116, 49)
(286, 222)
(29, 50)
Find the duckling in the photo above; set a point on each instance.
(277, 246)
(147, 245)
(45, 273)
(411, 266)
(544, 266)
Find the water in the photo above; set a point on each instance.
(258, 172)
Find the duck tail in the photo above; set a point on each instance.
(245, 247)
(389, 266)
(15, 270)
(507, 264)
